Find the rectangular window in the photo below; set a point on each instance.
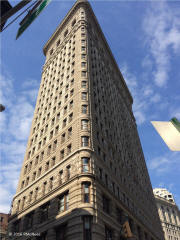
(84, 84)
(69, 148)
(108, 233)
(106, 204)
(83, 74)
(85, 141)
(49, 150)
(86, 192)
(54, 145)
(62, 154)
(84, 124)
(68, 172)
(69, 132)
(39, 171)
(87, 232)
(44, 212)
(64, 202)
(70, 117)
(63, 137)
(84, 96)
(71, 105)
(64, 122)
(53, 160)
(56, 130)
(85, 164)
(47, 166)
(83, 56)
(61, 232)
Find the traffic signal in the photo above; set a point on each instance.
(127, 230)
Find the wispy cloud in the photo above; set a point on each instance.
(15, 124)
(165, 163)
(144, 95)
(162, 29)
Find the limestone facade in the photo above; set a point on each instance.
(84, 171)
(169, 213)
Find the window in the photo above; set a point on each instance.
(71, 92)
(63, 137)
(64, 202)
(71, 105)
(84, 84)
(65, 33)
(54, 145)
(84, 141)
(51, 134)
(58, 42)
(23, 202)
(42, 156)
(68, 172)
(60, 177)
(73, 22)
(51, 52)
(50, 183)
(64, 122)
(34, 176)
(62, 154)
(106, 204)
(66, 98)
(22, 184)
(108, 233)
(119, 215)
(69, 148)
(30, 196)
(83, 74)
(70, 117)
(83, 48)
(84, 96)
(39, 171)
(65, 110)
(87, 235)
(44, 212)
(47, 166)
(84, 124)
(44, 141)
(83, 56)
(61, 232)
(52, 122)
(85, 164)
(49, 150)
(58, 117)
(56, 130)
(86, 192)
(27, 181)
(25, 169)
(53, 160)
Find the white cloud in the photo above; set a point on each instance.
(144, 95)
(162, 29)
(164, 164)
(15, 126)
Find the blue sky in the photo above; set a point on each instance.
(144, 37)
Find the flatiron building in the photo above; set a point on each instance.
(84, 173)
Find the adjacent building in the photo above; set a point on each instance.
(84, 174)
(3, 225)
(168, 212)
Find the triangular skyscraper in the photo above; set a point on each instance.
(84, 176)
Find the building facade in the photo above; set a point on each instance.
(169, 213)
(3, 225)
(84, 172)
